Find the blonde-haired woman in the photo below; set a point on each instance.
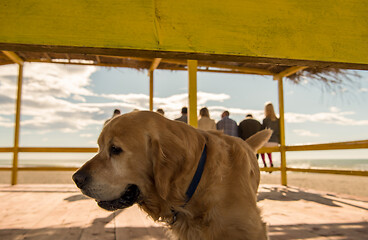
(205, 122)
(271, 122)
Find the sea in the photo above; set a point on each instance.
(338, 164)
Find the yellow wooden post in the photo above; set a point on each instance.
(282, 131)
(17, 127)
(192, 90)
(151, 91)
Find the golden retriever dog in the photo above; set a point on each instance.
(147, 159)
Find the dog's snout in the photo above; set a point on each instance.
(80, 178)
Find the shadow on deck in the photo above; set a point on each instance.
(60, 212)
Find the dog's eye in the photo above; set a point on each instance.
(114, 150)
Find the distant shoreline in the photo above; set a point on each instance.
(338, 164)
(335, 184)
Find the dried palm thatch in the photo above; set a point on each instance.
(328, 79)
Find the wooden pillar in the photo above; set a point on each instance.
(192, 93)
(151, 91)
(282, 131)
(14, 176)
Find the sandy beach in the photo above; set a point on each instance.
(338, 184)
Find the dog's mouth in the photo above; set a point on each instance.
(129, 197)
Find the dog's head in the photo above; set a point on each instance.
(140, 154)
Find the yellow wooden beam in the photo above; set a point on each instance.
(58, 149)
(302, 30)
(151, 90)
(289, 71)
(6, 149)
(155, 64)
(282, 132)
(330, 146)
(14, 175)
(223, 66)
(14, 57)
(329, 171)
(192, 93)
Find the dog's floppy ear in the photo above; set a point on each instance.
(167, 158)
(257, 140)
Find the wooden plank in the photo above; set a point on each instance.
(288, 72)
(330, 171)
(6, 149)
(132, 224)
(150, 73)
(282, 131)
(155, 64)
(329, 146)
(192, 93)
(14, 57)
(331, 31)
(60, 149)
(17, 125)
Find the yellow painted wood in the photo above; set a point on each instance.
(155, 64)
(282, 132)
(47, 168)
(14, 175)
(330, 146)
(329, 30)
(269, 149)
(56, 149)
(6, 149)
(192, 93)
(289, 71)
(329, 171)
(237, 69)
(151, 90)
(14, 57)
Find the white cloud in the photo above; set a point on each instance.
(79, 98)
(86, 135)
(305, 133)
(363, 90)
(171, 104)
(338, 118)
(334, 109)
(4, 122)
(48, 101)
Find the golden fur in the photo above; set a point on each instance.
(160, 156)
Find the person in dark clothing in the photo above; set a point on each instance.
(271, 122)
(248, 127)
(184, 115)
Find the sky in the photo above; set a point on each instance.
(66, 105)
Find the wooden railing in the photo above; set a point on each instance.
(363, 144)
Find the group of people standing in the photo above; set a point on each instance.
(244, 130)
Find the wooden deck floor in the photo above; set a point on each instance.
(61, 212)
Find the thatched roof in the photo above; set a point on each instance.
(327, 75)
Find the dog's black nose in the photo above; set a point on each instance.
(80, 178)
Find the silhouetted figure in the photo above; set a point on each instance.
(248, 127)
(160, 111)
(184, 115)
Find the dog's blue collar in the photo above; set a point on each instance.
(197, 176)
(194, 183)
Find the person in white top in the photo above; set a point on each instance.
(205, 122)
